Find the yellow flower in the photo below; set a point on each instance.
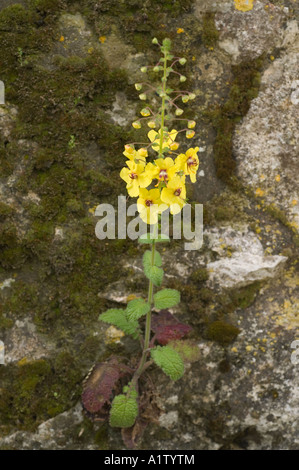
(168, 139)
(149, 205)
(175, 194)
(164, 169)
(135, 177)
(137, 156)
(189, 163)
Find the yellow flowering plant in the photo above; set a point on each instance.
(158, 185)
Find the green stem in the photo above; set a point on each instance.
(151, 285)
(164, 79)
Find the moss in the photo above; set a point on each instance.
(101, 437)
(222, 332)
(33, 392)
(200, 275)
(229, 207)
(210, 34)
(244, 87)
(5, 211)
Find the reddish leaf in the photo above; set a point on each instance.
(100, 386)
(167, 328)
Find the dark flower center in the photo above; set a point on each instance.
(133, 176)
(148, 202)
(177, 192)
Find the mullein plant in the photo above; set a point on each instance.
(113, 388)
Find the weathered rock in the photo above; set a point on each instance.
(23, 341)
(246, 35)
(266, 142)
(243, 260)
(56, 433)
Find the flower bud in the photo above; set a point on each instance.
(129, 148)
(155, 41)
(182, 61)
(138, 86)
(142, 96)
(185, 99)
(142, 152)
(156, 68)
(179, 112)
(190, 134)
(145, 112)
(143, 69)
(192, 96)
(174, 146)
(183, 78)
(151, 124)
(136, 124)
(191, 124)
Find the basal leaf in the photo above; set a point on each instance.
(124, 411)
(100, 385)
(167, 328)
(169, 360)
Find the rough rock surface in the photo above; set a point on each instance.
(266, 142)
(69, 70)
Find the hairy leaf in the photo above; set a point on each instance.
(124, 411)
(147, 259)
(167, 328)
(117, 317)
(169, 360)
(136, 308)
(166, 298)
(100, 385)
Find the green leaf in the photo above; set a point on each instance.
(117, 317)
(124, 411)
(147, 239)
(166, 298)
(147, 259)
(155, 275)
(169, 360)
(136, 308)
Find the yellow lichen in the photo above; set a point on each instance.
(243, 5)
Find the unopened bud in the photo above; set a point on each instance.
(138, 86)
(185, 99)
(179, 112)
(192, 96)
(191, 124)
(143, 69)
(145, 112)
(174, 146)
(190, 134)
(156, 68)
(183, 78)
(182, 61)
(142, 152)
(129, 148)
(136, 124)
(155, 41)
(142, 96)
(151, 124)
